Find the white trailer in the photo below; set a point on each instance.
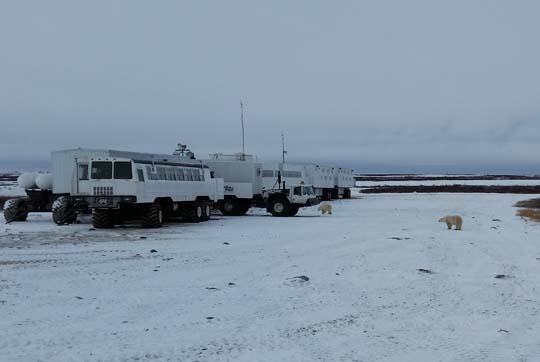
(343, 182)
(119, 185)
(247, 185)
(328, 182)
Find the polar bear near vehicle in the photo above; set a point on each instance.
(452, 220)
(325, 208)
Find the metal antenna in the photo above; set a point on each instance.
(283, 151)
(243, 141)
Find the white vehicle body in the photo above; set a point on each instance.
(241, 174)
(108, 179)
(328, 181)
(151, 176)
(246, 185)
(343, 182)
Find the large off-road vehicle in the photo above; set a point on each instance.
(119, 186)
(243, 187)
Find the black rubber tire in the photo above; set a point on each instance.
(207, 212)
(280, 207)
(63, 212)
(103, 219)
(195, 213)
(152, 216)
(229, 207)
(234, 207)
(16, 210)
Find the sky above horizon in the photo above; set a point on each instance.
(417, 82)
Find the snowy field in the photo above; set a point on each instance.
(226, 290)
(10, 188)
(365, 184)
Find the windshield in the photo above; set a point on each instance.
(101, 170)
(308, 190)
(122, 170)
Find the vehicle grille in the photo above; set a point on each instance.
(103, 191)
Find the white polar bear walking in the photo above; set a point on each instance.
(325, 208)
(452, 220)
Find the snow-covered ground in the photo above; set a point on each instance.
(226, 290)
(10, 188)
(448, 182)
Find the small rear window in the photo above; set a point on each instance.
(122, 170)
(101, 170)
(140, 174)
(83, 171)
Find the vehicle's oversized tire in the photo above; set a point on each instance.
(16, 210)
(196, 212)
(280, 207)
(207, 212)
(234, 207)
(102, 219)
(152, 216)
(63, 211)
(228, 207)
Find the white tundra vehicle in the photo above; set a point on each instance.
(118, 185)
(244, 188)
(329, 182)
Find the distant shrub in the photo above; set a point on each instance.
(531, 214)
(530, 204)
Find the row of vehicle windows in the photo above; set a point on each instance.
(273, 173)
(106, 170)
(298, 174)
(166, 173)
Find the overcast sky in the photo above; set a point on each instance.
(424, 82)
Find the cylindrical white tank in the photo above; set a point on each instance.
(44, 181)
(27, 180)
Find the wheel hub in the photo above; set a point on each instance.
(228, 206)
(278, 207)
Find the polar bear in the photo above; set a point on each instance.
(452, 220)
(325, 208)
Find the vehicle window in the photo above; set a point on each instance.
(202, 175)
(298, 191)
(296, 174)
(122, 170)
(171, 175)
(151, 175)
(195, 174)
(101, 170)
(179, 174)
(83, 171)
(267, 173)
(140, 174)
(308, 190)
(162, 174)
(187, 174)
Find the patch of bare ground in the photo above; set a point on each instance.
(529, 214)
